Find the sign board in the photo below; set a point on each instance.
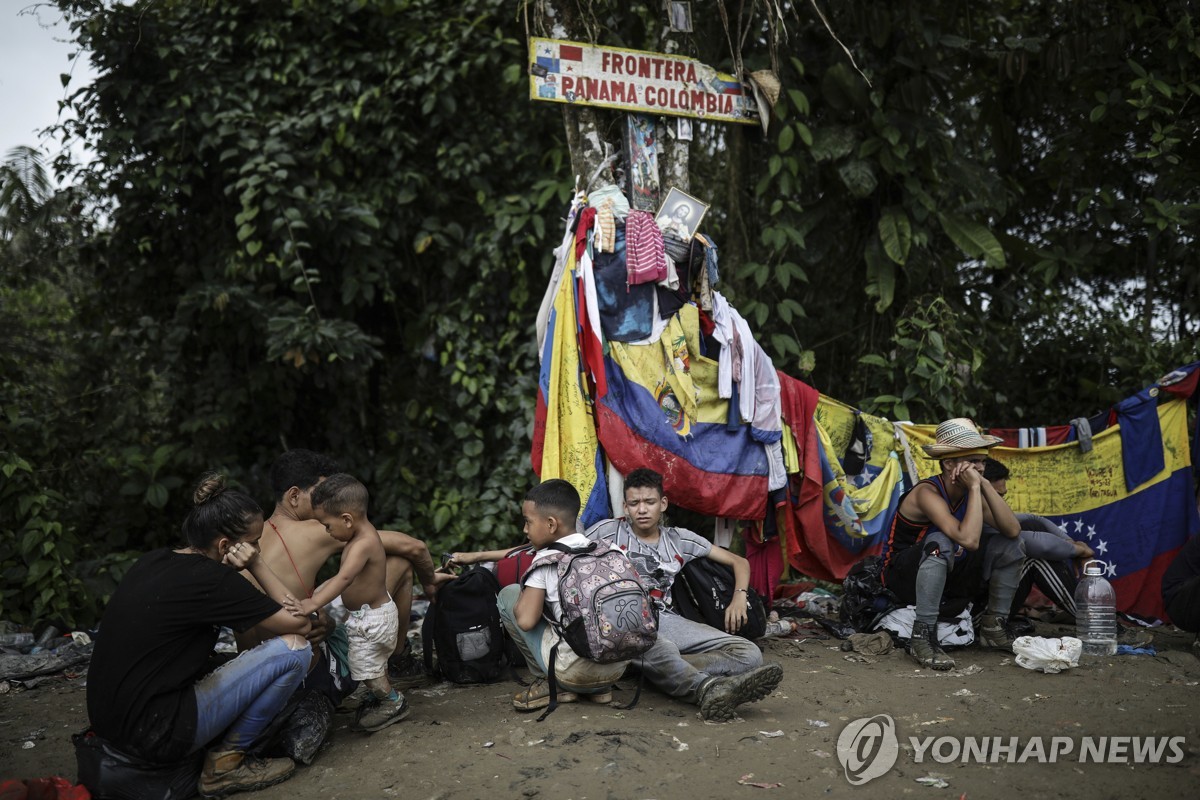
(636, 81)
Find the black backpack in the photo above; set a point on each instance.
(463, 627)
(703, 590)
(865, 600)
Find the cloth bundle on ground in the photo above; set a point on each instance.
(958, 632)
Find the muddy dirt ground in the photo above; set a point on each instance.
(466, 742)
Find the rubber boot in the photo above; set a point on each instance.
(924, 648)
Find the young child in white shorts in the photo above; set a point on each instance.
(340, 504)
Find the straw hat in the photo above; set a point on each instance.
(956, 436)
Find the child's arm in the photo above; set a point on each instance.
(354, 558)
(528, 609)
(480, 557)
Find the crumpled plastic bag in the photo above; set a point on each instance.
(1048, 655)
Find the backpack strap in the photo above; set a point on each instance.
(427, 640)
(552, 682)
(574, 551)
(555, 557)
(638, 692)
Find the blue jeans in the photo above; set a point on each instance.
(243, 696)
(688, 653)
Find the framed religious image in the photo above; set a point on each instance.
(679, 14)
(680, 214)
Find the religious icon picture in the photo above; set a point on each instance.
(680, 214)
(683, 129)
(679, 14)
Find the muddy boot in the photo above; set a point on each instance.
(229, 771)
(720, 698)
(993, 633)
(924, 648)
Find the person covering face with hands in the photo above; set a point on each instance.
(937, 555)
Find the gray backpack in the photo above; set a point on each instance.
(608, 615)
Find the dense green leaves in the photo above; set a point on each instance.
(329, 224)
(1023, 166)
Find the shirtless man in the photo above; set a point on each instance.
(296, 546)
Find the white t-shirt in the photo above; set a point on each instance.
(546, 576)
(657, 563)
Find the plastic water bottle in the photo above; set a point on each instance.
(16, 639)
(1096, 612)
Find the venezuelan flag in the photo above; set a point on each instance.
(1134, 533)
(662, 411)
(565, 444)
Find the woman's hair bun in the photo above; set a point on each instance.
(211, 485)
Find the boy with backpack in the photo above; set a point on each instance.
(691, 661)
(565, 561)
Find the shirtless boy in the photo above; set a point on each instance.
(295, 546)
(340, 504)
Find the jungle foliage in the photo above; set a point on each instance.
(329, 224)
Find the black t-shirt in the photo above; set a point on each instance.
(155, 640)
(1185, 565)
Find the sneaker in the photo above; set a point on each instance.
(229, 771)
(406, 671)
(720, 698)
(993, 633)
(537, 695)
(923, 646)
(377, 714)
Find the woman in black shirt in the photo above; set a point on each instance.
(150, 688)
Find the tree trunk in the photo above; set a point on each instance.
(595, 133)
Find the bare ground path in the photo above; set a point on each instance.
(466, 742)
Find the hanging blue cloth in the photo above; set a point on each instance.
(1141, 437)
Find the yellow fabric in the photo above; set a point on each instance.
(569, 450)
(675, 365)
(837, 419)
(791, 456)
(1061, 480)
